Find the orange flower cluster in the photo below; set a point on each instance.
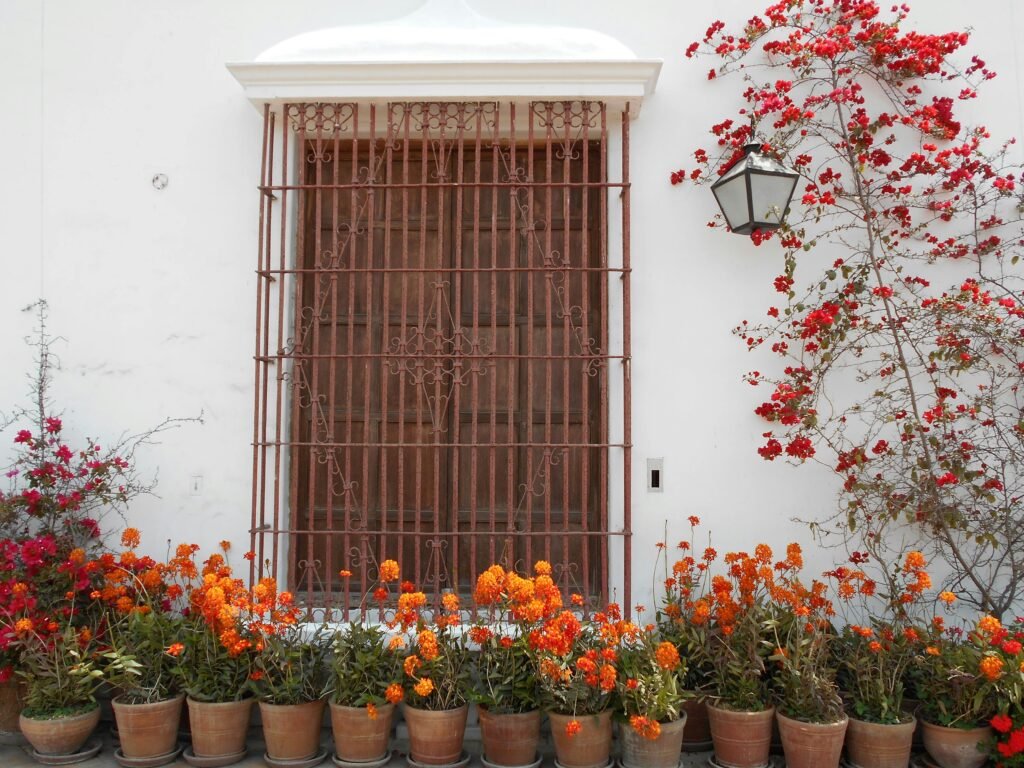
(221, 600)
(645, 726)
(528, 600)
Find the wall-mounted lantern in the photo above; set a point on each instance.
(755, 192)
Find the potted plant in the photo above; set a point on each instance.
(873, 660)
(737, 612)
(688, 581)
(436, 667)
(577, 675)
(216, 663)
(504, 671)
(810, 714)
(61, 677)
(960, 681)
(144, 634)
(650, 698)
(1006, 750)
(289, 675)
(365, 685)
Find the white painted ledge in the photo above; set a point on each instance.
(616, 82)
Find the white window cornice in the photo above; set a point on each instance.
(615, 82)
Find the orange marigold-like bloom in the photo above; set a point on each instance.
(24, 625)
(424, 687)
(667, 656)
(345, 573)
(394, 693)
(947, 597)
(225, 545)
(542, 568)
(371, 710)
(989, 625)
(931, 650)
(396, 642)
(450, 601)
(411, 664)
(794, 555)
(914, 561)
(389, 571)
(874, 646)
(991, 667)
(572, 728)
(77, 556)
(646, 727)
(175, 649)
(608, 676)
(480, 635)
(130, 538)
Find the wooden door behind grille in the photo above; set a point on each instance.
(450, 364)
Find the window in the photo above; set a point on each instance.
(434, 354)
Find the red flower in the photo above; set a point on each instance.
(1002, 723)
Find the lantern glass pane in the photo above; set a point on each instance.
(732, 197)
(770, 196)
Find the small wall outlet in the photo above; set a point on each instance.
(656, 475)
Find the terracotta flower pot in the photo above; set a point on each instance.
(955, 747)
(12, 700)
(698, 730)
(148, 730)
(435, 737)
(879, 745)
(60, 735)
(662, 752)
(359, 738)
(292, 731)
(219, 728)
(590, 746)
(510, 739)
(741, 739)
(812, 745)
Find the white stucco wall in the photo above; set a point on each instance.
(154, 290)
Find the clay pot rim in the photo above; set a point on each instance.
(118, 701)
(930, 724)
(380, 707)
(483, 709)
(407, 705)
(84, 713)
(264, 703)
(902, 723)
(831, 724)
(248, 698)
(761, 712)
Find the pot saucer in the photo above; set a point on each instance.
(774, 761)
(620, 764)
(378, 763)
(146, 762)
(211, 761)
(698, 746)
(535, 764)
(460, 763)
(91, 749)
(305, 762)
(609, 764)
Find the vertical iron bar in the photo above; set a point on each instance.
(627, 387)
(547, 258)
(530, 233)
(604, 342)
(585, 282)
(260, 365)
(316, 438)
(455, 398)
(566, 309)
(332, 368)
(348, 486)
(296, 342)
(514, 462)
